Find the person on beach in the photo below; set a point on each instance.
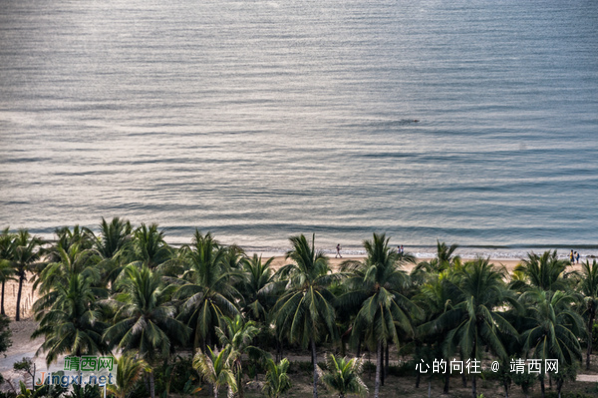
(577, 257)
(402, 250)
(338, 251)
(571, 257)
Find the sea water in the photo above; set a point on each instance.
(470, 122)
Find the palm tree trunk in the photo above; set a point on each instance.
(381, 359)
(2, 303)
(18, 314)
(447, 379)
(152, 385)
(473, 386)
(315, 361)
(215, 389)
(241, 392)
(590, 339)
(378, 363)
(359, 348)
(387, 361)
(542, 387)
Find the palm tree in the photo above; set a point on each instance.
(474, 322)
(149, 246)
(445, 260)
(25, 256)
(435, 297)
(237, 337)
(69, 320)
(589, 288)
(114, 237)
(379, 291)
(114, 244)
(144, 320)
(233, 257)
(277, 380)
(67, 237)
(343, 376)
(304, 312)
(206, 289)
(553, 328)
(254, 288)
(72, 259)
(129, 370)
(544, 272)
(215, 369)
(7, 271)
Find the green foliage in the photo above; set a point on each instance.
(525, 380)
(206, 289)
(277, 379)
(45, 391)
(69, 320)
(177, 377)
(145, 320)
(544, 272)
(89, 391)
(554, 327)
(128, 371)
(214, 368)
(5, 334)
(24, 365)
(343, 376)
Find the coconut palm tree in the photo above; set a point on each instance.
(72, 259)
(474, 322)
(114, 237)
(206, 289)
(214, 368)
(26, 255)
(553, 328)
(233, 257)
(149, 247)
(435, 297)
(128, 371)
(114, 244)
(237, 336)
(344, 376)
(304, 312)
(589, 288)
(544, 272)
(277, 379)
(385, 312)
(145, 318)
(67, 237)
(255, 287)
(7, 271)
(69, 320)
(445, 259)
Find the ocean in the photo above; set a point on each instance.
(470, 122)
